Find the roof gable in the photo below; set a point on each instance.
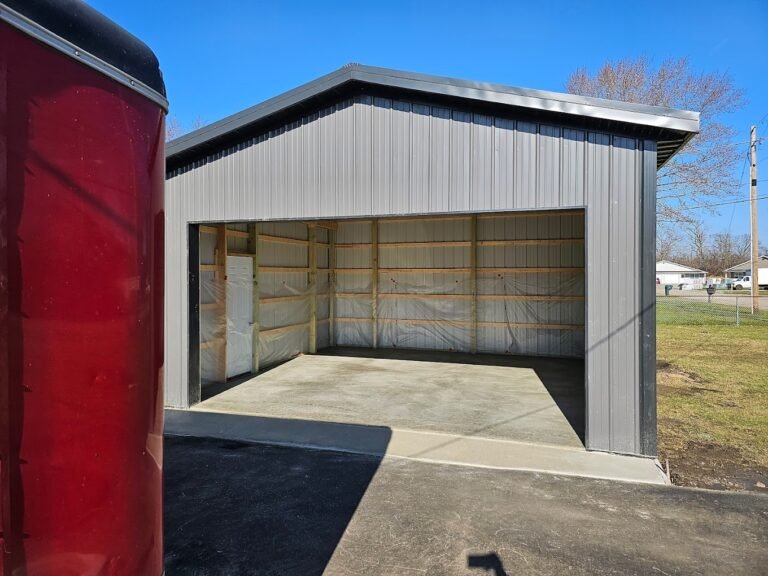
(762, 263)
(668, 266)
(670, 128)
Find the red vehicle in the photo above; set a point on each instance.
(82, 108)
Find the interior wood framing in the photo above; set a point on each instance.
(256, 239)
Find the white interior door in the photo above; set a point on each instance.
(239, 315)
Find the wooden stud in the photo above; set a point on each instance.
(282, 240)
(524, 325)
(437, 244)
(352, 270)
(283, 299)
(549, 270)
(211, 343)
(365, 295)
(533, 326)
(531, 242)
(529, 298)
(552, 270)
(353, 246)
(253, 249)
(375, 281)
(507, 297)
(443, 218)
(530, 214)
(312, 257)
(281, 329)
(289, 327)
(331, 286)
(473, 286)
(221, 287)
(327, 224)
(276, 269)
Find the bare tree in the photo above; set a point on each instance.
(174, 128)
(668, 242)
(714, 253)
(705, 167)
(742, 248)
(697, 236)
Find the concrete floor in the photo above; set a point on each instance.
(233, 508)
(536, 400)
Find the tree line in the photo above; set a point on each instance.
(694, 246)
(704, 170)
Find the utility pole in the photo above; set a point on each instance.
(753, 213)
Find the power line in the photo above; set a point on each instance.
(685, 195)
(721, 203)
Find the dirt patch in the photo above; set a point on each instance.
(684, 391)
(706, 465)
(665, 368)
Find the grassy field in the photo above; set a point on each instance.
(713, 403)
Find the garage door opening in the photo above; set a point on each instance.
(467, 325)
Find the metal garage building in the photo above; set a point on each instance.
(378, 208)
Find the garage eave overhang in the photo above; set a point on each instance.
(671, 128)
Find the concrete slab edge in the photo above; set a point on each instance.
(436, 448)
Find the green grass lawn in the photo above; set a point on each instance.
(713, 392)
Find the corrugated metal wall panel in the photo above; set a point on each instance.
(599, 384)
(525, 158)
(647, 354)
(439, 160)
(420, 158)
(381, 141)
(549, 167)
(623, 315)
(481, 169)
(326, 189)
(504, 164)
(572, 168)
(400, 191)
(459, 185)
(363, 196)
(344, 162)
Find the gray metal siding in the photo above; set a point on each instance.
(648, 304)
(378, 157)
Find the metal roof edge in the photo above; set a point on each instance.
(600, 109)
(258, 111)
(683, 120)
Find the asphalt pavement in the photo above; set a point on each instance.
(234, 508)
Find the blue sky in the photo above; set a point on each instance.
(221, 57)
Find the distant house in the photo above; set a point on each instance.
(679, 275)
(743, 269)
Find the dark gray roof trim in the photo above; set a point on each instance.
(671, 128)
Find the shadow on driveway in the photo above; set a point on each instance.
(235, 508)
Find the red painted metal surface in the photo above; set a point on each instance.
(81, 318)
